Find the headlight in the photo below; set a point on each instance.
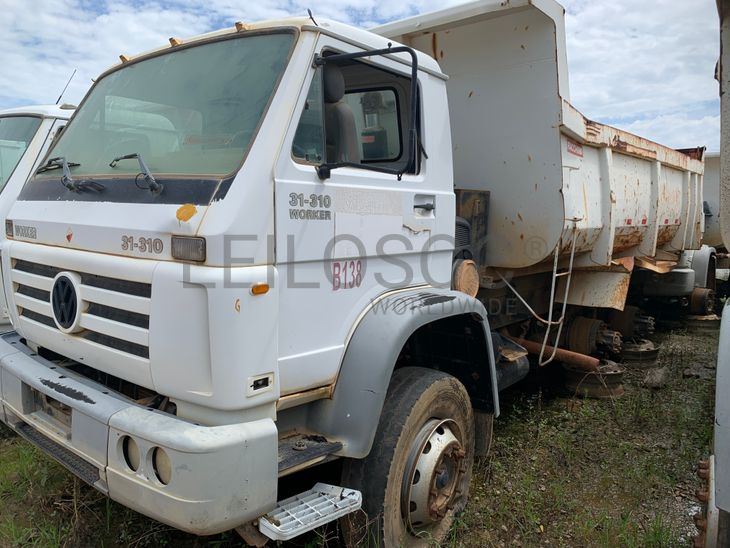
(188, 248)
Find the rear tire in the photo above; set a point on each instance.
(483, 433)
(412, 492)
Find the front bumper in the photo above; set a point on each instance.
(217, 477)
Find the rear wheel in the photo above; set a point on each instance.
(416, 477)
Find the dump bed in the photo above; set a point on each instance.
(552, 174)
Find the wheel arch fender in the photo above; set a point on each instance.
(703, 263)
(352, 414)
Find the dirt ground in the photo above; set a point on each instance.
(564, 471)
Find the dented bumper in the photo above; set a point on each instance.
(199, 479)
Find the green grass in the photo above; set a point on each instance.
(575, 472)
(563, 471)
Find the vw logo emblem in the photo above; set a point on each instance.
(65, 302)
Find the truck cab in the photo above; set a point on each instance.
(25, 135)
(242, 237)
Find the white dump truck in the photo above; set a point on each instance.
(25, 135)
(695, 282)
(245, 257)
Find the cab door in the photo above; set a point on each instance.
(346, 237)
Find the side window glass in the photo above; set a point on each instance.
(377, 119)
(308, 145)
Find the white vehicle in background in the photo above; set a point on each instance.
(713, 222)
(244, 258)
(714, 522)
(711, 204)
(692, 285)
(25, 135)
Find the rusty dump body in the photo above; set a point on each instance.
(556, 180)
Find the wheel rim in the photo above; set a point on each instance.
(434, 471)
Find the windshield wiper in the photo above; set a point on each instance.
(66, 180)
(55, 163)
(152, 183)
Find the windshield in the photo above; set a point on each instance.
(15, 135)
(193, 111)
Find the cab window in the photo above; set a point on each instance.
(355, 113)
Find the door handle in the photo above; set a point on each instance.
(424, 202)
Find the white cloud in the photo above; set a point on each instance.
(43, 41)
(645, 66)
(652, 61)
(678, 130)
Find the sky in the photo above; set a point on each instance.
(646, 67)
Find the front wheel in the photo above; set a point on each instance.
(416, 477)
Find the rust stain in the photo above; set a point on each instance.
(666, 234)
(696, 153)
(627, 237)
(618, 296)
(519, 216)
(434, 45)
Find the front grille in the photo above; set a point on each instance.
(94, 280)
(115, 313)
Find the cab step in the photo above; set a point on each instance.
(306, 511)
(300, 451)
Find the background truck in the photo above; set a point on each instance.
(250, 260)
(25, 135)
(714, 522)
(697, 282)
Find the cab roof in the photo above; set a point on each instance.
(63, 112)
(347, 33)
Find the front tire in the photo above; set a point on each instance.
(416, 477)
